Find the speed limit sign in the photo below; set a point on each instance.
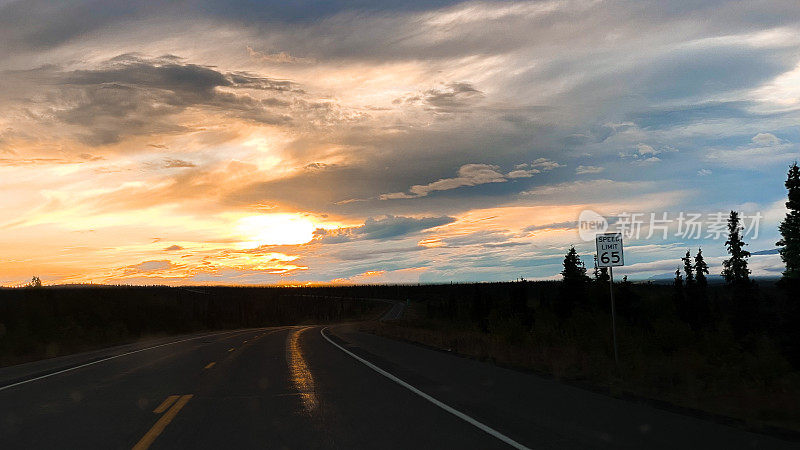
(609, 250)
(609, 254)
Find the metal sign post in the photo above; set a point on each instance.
(613, 313)
(610, 254)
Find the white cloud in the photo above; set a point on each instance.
(522, 173)
(582, 170)
(766, 139)
(279, 57)
(644, 149)
(704, 172)
(468, 175)
(647, 161)
(646, 154)
(782, 93)
(757, 154)
(637, 195)
(474, 175)
(545, 164)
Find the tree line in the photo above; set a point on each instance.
(54, 321)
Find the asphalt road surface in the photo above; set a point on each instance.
(306, 387)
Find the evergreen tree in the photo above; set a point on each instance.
(745, 318)
(628, 302)
(683, 298)
(700, 268)
(735, 268)
(574, 271)
(790, 227)
(600, 273)
(36, 282)
(698, 310)
(688, 269)
(573, 287)
(677, 294)
(790, 254)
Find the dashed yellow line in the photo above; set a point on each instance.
(147, 440)
(210, 365)
(166, 404)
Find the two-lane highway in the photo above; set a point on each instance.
(295, 387)
(250, 389)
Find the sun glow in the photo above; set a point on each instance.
(275, 229)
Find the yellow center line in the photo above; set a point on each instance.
(231, 349)
(150, 437)
(210, 365)
(166, 404)
(301, 376)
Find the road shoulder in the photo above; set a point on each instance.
(523, 402)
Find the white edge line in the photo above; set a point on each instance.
(8, 386)
(451, 410)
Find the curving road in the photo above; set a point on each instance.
(297, 387)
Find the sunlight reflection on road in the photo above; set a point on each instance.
(302, 379)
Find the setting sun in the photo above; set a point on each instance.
(274, 229)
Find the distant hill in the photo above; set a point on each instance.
(773, 251)
(669, 277)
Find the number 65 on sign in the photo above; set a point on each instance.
(609, 250)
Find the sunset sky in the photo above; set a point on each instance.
(247, 142)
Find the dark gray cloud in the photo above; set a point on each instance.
(379, 258)
(42, 24)
(479, 238)
(707, 72)
(672, 116)
(455, 95)
(134, 95)
(389, 227)
(493, 28)
(167, 73)
(452, 97)
(392, 226)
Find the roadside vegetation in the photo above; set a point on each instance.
(719, 367)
